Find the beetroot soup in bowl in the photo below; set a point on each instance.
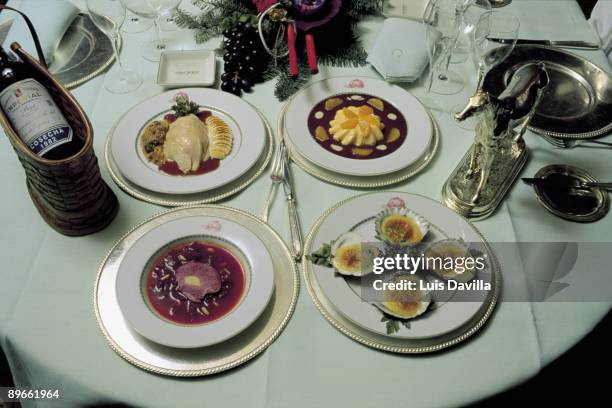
(194, 282)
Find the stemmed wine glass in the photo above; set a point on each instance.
(134, 24)
(492, 40)
(470, 12)
(442, 20)
(108, 16)
(157, 10)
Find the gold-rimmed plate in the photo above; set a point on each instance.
(248, 142)
(352, 181)
(149, 289)
(337, 299)
(207, 360)
(207, 197)
(399, 128)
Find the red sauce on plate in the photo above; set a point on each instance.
(161, 286)
(390, 116)
(171, 167)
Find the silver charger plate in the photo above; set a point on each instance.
(393, 344)
(83, 53)
(577, 103)
(208, 360)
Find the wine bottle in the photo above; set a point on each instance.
(33, 113)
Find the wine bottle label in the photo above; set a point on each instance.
(35, 116)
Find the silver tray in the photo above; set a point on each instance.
(208, 360)
(83, 53)
(577, 104)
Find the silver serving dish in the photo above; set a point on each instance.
(577, 103)
(83, 53)
(601, 197)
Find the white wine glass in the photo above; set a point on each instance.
(442, 22)
(494, 38)
(470, 12)
(168, 22)
(492, 41)
(108, 16)
(134, 24)
(157, 10)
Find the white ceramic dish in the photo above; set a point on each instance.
(186, 68)
(358, 215)
(259, 282)
(418, 138)
(247, 127)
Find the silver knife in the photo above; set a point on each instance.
(294, 220)
(551, 43)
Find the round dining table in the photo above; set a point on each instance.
(51, 340)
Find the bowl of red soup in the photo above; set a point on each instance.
(194, 282)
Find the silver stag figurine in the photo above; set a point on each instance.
(499, 117)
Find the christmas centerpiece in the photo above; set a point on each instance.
(283, 39)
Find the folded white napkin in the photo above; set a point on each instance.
(400, 52)
(50, 25)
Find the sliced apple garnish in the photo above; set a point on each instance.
(321, 134)
(332, 103)
(394, 135)
(376, 103)
(362, 152)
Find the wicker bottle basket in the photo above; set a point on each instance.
(69, 194)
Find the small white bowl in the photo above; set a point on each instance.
(186, 68)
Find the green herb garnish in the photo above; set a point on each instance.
(393, 324)
(183, 106)
(322, 256)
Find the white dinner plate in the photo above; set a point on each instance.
(242, 243)
(358, 215)
(418, 135)
(247, 127)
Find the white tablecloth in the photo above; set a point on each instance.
(49, 334)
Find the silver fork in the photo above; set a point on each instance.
(276, 177)
(571, 143)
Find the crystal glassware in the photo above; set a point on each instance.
(442, 22)
(134, 24)
(157, 10)
(469, 12)
(493, 40)
(108, 16)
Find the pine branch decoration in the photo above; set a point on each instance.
(286, 86)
